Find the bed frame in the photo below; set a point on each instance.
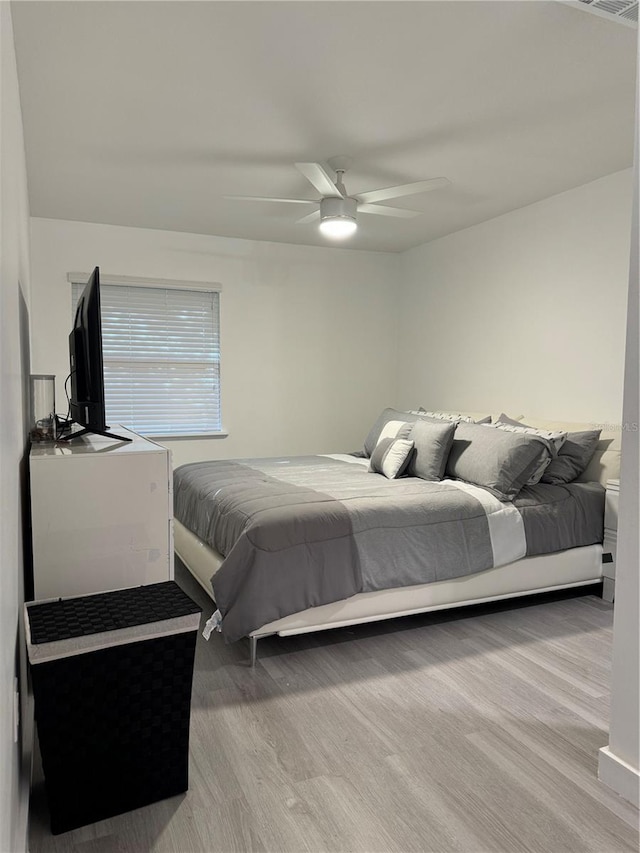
(547, 573)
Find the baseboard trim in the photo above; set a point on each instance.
(21, 840)
(617, 774)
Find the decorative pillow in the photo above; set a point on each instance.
(500, 461)
(390, 457)
(555, 438)
(395, 429)
(409, 418)
(605, 462)
(432, 443)
(573, 457)
(387, 415)
(505, 419)
(446, 416)
(457, 416)
(555, 441)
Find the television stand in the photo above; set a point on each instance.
(101, 515)
(87, 431)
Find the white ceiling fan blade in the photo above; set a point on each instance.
(404, 189)
(311, 217)
(262, 198)
(384, 210)
(314, 173)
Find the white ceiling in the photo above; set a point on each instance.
(148, 113)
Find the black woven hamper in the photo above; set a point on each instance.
(112, 677)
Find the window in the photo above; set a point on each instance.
(161, 351)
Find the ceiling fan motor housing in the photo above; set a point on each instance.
(338, 207)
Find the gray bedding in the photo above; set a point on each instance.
(304, 531)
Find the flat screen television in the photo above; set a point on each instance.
(86, 403)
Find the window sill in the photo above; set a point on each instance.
(187, 436)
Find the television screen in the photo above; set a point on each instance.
(85, 357)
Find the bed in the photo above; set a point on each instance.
(296, 544)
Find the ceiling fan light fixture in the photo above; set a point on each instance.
(338, 217)
(338, 227)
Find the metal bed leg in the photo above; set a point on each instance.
(253, 647)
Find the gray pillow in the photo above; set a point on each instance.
(554, 440)
(573, 457)
(499, 461)
(432, 443)
(390, 457)
(383, 419)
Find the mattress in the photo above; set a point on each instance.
(299, 532)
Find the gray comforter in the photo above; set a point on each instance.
(304, 531)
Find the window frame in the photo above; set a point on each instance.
(80, 278)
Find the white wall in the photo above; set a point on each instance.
(307, 334)
(619, 764)
(524, 313)
(14, 370)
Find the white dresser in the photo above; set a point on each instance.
(101, 515)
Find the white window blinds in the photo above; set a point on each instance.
(161, 351)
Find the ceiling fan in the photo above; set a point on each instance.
(337, 209)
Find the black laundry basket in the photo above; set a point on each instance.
(112, 677)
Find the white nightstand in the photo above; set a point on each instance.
(610, 539)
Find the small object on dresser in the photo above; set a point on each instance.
(43, 422)
(112, 677)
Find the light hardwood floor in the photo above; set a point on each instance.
(472, 730)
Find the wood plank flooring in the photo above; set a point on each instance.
(472, 730)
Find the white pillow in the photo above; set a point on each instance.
(395, 429)
(390, 457)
